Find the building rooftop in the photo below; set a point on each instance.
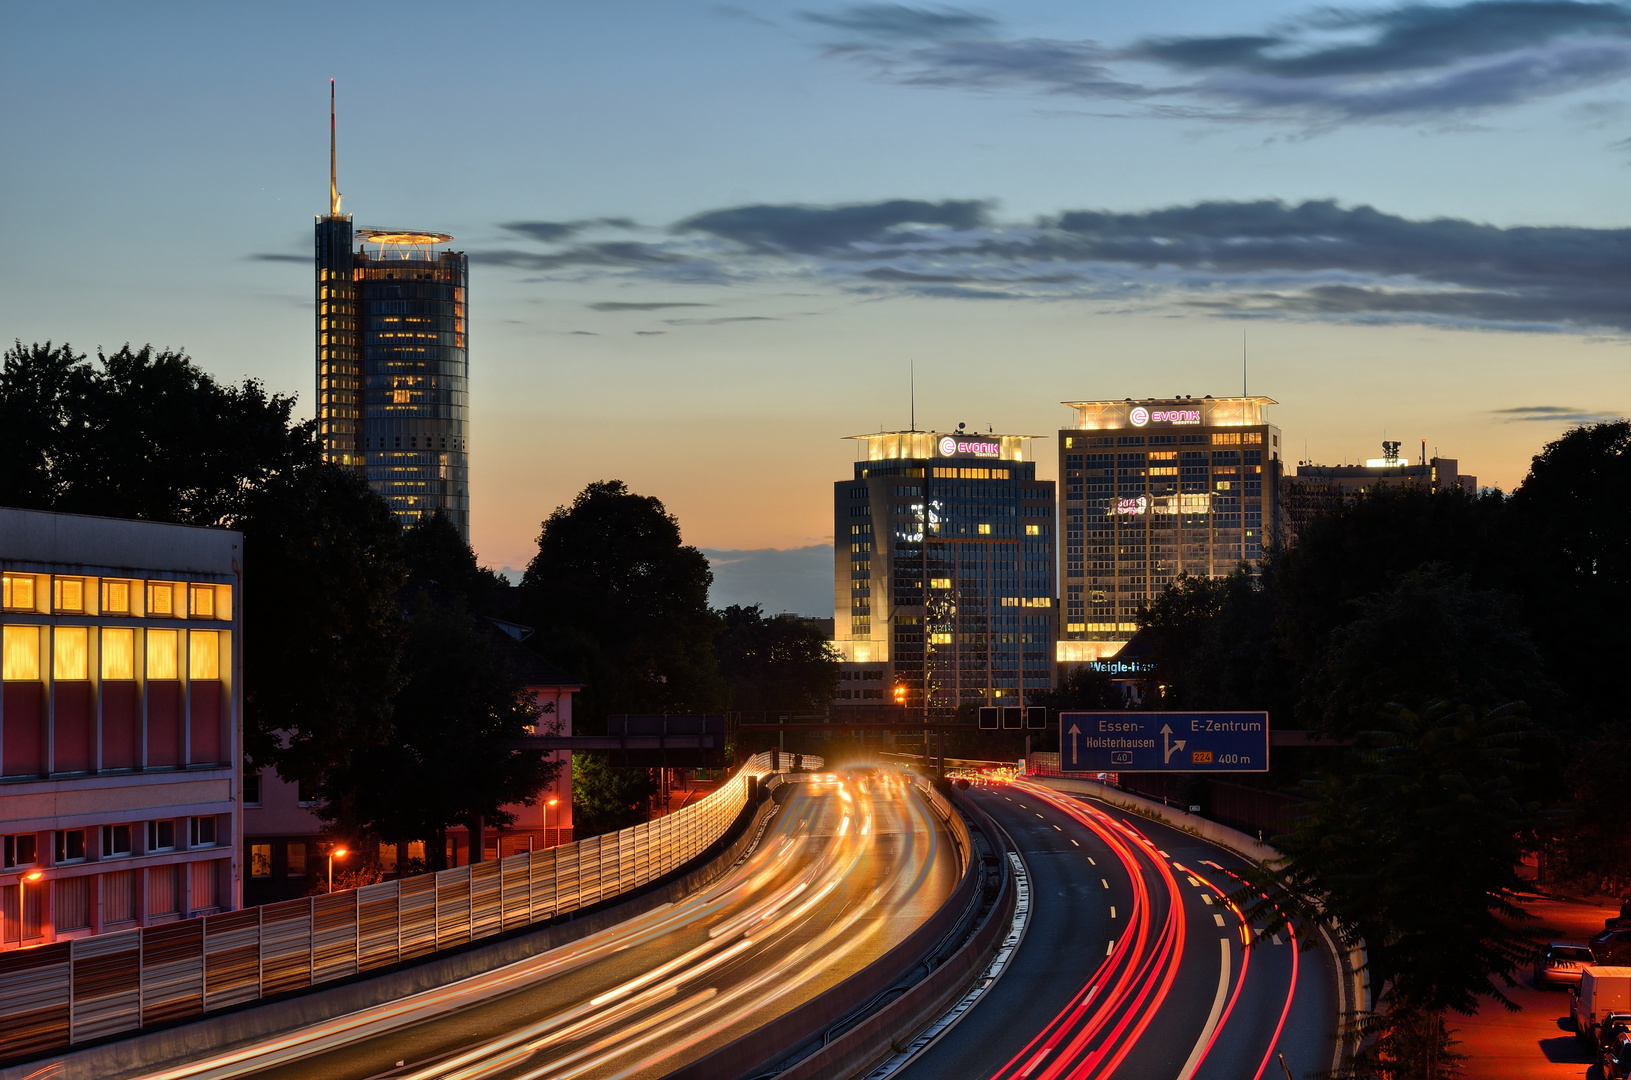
(925, 445)
(1205, 411)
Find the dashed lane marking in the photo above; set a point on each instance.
(1218, 919)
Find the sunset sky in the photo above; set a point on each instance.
(707, 240)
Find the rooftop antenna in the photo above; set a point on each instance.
(1243, 362)
(912, 376)
(333, 170)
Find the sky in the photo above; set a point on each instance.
(709, 241)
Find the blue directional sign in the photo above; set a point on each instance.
(1125, 741)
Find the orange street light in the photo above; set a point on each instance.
(548, 806)
(22, 901)
(337, 853)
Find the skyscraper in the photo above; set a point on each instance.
(943, 574)
(393, 361)
(1153, 489)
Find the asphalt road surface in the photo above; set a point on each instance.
(1132, 966)
(847, 868)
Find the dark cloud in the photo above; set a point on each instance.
(897, 22)
(1316, 260)
(812, 230)
(624, 305)
(261, 256)
(1404, 63)
(650, 333)
(1554, 414)
(554, 232)
(584, 333)
(720, 321)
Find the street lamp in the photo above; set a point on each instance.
(550, 805)
(22, 902)
(337, 853)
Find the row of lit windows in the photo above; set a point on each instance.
(25, 652)
(47, 594)
(972, 474)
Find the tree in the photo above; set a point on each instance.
(780, 664)
(605, 798)
(433, 550)
(1415, 851)
(1212, 643)
(618, 600)
(1571, 533)
(1430, 636)
(447, 759)
(323, 631)
(38, 407)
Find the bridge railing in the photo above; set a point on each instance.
(71, 992)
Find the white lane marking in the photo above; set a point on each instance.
(1078, 845)
(1194, 1061)
(1090, 861)
(1206, 898)
(1112, 911)
(1219, 919)
(1195, 882)
(1057, 829)
(1031, 1065)
(1111, 947)
(1277, 940)
(1105, 883)
(1163, 854)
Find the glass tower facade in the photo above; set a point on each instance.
(393, 366)
(1153, 489)
(944, 568)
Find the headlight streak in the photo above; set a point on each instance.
(767, 908)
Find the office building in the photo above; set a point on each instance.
(393, 361)
(120, 728)
(1152, 489)
(944, 571)
(1315, 489)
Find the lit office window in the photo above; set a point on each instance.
(260, 860)
(116, 597)
(201, 601)
(19, 591)
(161, 598)
(68, 595)
(71, 654)
(162, 648)
(22, 652)
(204, 654)
(118, 653)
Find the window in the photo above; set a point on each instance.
(260, 860)
(19, 591)
(203, 832)
(1033, 530)
(297, 858)
(985, 530)
(115, 597)
(252, 789)
(22, 652)
(201, 601)
(71, 652)
(68, 594)
(20, 849)
(204, 654)
(161, 654)
(161, 598)
(70, 845)
(161, 836)
(940, 583)
(118, 653)
(115, 841)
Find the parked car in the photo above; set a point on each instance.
(1615, 1059)
(1560, 963)
(1612, 947)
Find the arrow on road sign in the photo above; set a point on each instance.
(1168, 745)
(1074, 731)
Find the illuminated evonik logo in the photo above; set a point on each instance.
(1139, 416)
(948, 446)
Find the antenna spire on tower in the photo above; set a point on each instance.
(333, 169)
(912, 376)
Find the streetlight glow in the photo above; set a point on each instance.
(337, 853)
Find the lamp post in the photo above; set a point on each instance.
(550, 805)
(22, 902)
(337, 853)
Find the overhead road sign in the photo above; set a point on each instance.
(1127, 741)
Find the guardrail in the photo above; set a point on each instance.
(72, 992)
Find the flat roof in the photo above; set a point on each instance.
(43, 541)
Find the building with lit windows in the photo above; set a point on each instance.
(393, 361)
(1314, 490)
(1152, 489)
(944, 571)
(119, 724)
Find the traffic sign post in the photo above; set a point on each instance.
(1129, 741)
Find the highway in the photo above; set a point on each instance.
(1132, 966)
(848, 866)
